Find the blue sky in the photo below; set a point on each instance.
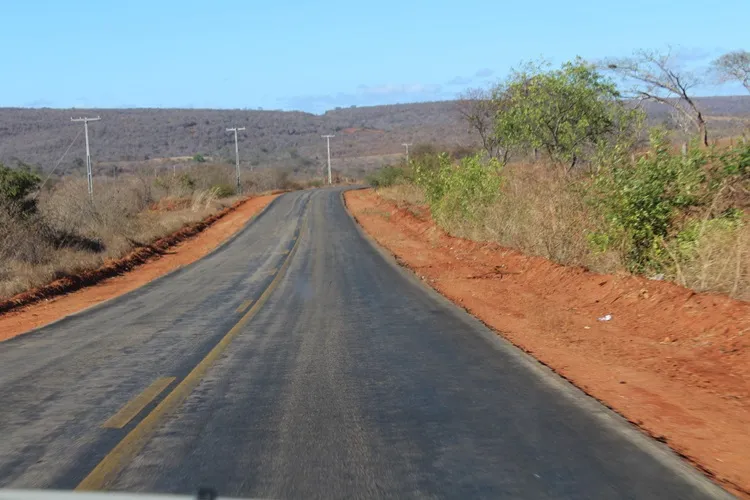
(314, 56)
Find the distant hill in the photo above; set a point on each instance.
(40, 136)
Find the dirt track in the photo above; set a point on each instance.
(126, 274)
(674, 362)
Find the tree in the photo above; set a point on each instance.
(567, 112)
(479, 109)
(734, 66)
(657, 77)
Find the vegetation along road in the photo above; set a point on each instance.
(298, 360)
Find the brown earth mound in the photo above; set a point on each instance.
(674, 362)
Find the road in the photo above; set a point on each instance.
(299, 361)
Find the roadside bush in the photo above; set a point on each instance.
(388, 176)
(459, 192)
(640, 201)
(15, 187)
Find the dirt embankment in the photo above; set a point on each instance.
(674, 362)
(70, 294)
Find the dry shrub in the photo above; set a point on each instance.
(716, 259)
(408, 194)
(542, 212)
(69, 234)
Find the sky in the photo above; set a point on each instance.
(318, 55)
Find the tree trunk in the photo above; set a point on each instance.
(702, 129)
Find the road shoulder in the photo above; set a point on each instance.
(670, 361)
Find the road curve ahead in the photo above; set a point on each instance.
(298, 361)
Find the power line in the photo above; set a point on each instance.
(328, 141)
(237, 153)
(58, 162)
(89, 173)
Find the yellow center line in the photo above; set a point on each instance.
(136, 405)
(243, 307)
(124, 452)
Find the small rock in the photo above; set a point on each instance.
(657, 277)
(607, 317)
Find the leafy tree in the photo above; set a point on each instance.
(566, 112)
(199, 158)
(734, 66)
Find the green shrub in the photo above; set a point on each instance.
(199, 158)
(387, 176)
(639, 201)
(736, 161)
(16, 185)
(461, 191)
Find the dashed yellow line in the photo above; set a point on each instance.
(137, 404)
(117, 459)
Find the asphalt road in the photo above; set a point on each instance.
(298, 361)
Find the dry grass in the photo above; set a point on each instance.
(719, 261)
(403, 194)
(541, 212)
(68, 234)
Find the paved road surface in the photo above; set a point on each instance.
(346, 378)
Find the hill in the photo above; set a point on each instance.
(364, 135)
(40, 136)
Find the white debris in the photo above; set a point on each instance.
(608, 317)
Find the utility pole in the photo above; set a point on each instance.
(407, 144)
(328, 141)
(237, 153)
(89, 174)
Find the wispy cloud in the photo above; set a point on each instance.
(459, 80)
(368, 95)
(484, 73)
(38, 103)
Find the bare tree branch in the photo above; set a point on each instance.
(657, 77)
(479, 109)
